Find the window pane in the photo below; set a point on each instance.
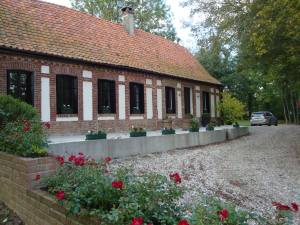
(136, 98)
(19, 85)
(206, 103)
(106, 96)
(170, 100)
(66, 94)
(187, 100)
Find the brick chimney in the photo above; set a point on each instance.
(128, 19)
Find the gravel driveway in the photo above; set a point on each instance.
(251, 171)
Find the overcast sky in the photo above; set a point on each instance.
(179, 16)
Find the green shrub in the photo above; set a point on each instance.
(194, 125)
(167, 131)
(21, 131)
(12, 109)
(138, 132)
(116, 197)
(231, 108)
(95, 136)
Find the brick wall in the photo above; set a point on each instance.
(30, 63)
(18, 192)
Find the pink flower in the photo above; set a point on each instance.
(223, 214)
(37, 177)
(183, 222)
(60, 195)
(295, 207)
(117, 184)
(107, 159)
(79, 160)
(137, 221)
(60, 159)
(175, 177)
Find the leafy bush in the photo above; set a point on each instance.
(167, 131)
(205, 119)
(21, 131)
(94, 136)
(231, 108)
(138, 132)
(194, 125)
(117, 197)
(214, 211)
(12, 109)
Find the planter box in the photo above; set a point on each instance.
(95, 136)
(168, 131)
(34, 207)
(138, 134)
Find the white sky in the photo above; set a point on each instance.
(179, 16)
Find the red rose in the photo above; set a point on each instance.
(183, 222)
(60, 159)
(60, 195)
(79, 160)
(175, 177)
(117, 184)
(107, 159)
(137, 221)
(295, 207)
(72, 158)
(26, 126)
(37, 177)
(280, 206)
(47, 125)
(223, 214)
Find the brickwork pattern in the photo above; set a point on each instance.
(31, 63)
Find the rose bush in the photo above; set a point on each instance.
(21, 132)
(117, 197)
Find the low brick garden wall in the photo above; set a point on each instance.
(20, 192)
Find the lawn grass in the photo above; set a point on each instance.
(244, 123)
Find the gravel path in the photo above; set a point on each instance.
(251, 171)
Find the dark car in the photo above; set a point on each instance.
(263, 118)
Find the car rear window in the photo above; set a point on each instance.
(258, 114)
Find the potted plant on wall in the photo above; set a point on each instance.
(95, 135)
(194, 125)
(205, 119)
(167, 131)
(137, 132)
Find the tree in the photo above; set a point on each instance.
(255, 48)
(231, 108)
(151, 16)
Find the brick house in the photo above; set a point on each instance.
(82, 72)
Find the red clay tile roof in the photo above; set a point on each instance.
(47, 28)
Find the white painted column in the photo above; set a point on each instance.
(87, 92)
(149, 103)
(45, 99)
(198, 104)
(191, 101)
(122, 100)
(212, 105)
(179, 104)
(159, 100)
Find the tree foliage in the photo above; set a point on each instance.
(253, 47)
(151, 16)
(231, 108)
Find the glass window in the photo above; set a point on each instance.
(66, 94)
(20, 85)
(106, 96)
(136, 98)
(187, 100)
(170, 100)
(206, 104)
